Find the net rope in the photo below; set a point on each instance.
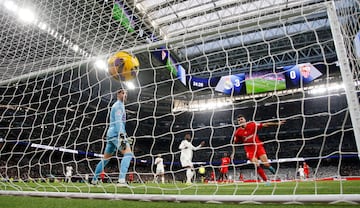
(55, 101)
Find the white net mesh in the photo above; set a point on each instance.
(268, 60)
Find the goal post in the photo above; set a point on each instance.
(346, 72)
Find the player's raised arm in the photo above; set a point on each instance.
(279, 123)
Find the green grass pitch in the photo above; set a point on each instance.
(259, 85)
(288, 188)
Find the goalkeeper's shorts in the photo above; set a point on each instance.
(116, 143)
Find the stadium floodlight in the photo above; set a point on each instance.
(216, 104)
(130, 85)
(100, 64)
(205, 105)
(26, 15)
(11, 6)
(42, 25)
(323, 89)
(75, 48)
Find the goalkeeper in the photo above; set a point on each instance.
(116, 140)
(253, 146)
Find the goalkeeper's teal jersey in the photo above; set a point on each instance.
(117, 120)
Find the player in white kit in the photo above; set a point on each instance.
(68, 174)
(186, 156)
(160, 170)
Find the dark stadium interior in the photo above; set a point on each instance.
(69, 108)
(323, 129)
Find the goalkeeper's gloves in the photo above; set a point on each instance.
(124, 139)
(130, 140)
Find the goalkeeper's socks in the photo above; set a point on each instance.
(124, 165)
(99, 168)
(261, 172)
(272, 170)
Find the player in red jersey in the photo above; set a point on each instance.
(224, 169)
(253, 146)
(306, 169)
(212, 176)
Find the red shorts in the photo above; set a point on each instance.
(253, 151)
(224, 170)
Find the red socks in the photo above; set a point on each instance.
(261, 172)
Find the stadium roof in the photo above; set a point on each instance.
(207, 37)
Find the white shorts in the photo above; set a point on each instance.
(160, 171)
(185, 162)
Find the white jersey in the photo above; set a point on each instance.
(69, 170)
(301, 172)
(187, 152)
(159, 162)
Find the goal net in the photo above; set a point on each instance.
(202, 63)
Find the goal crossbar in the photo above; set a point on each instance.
(306, 198)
